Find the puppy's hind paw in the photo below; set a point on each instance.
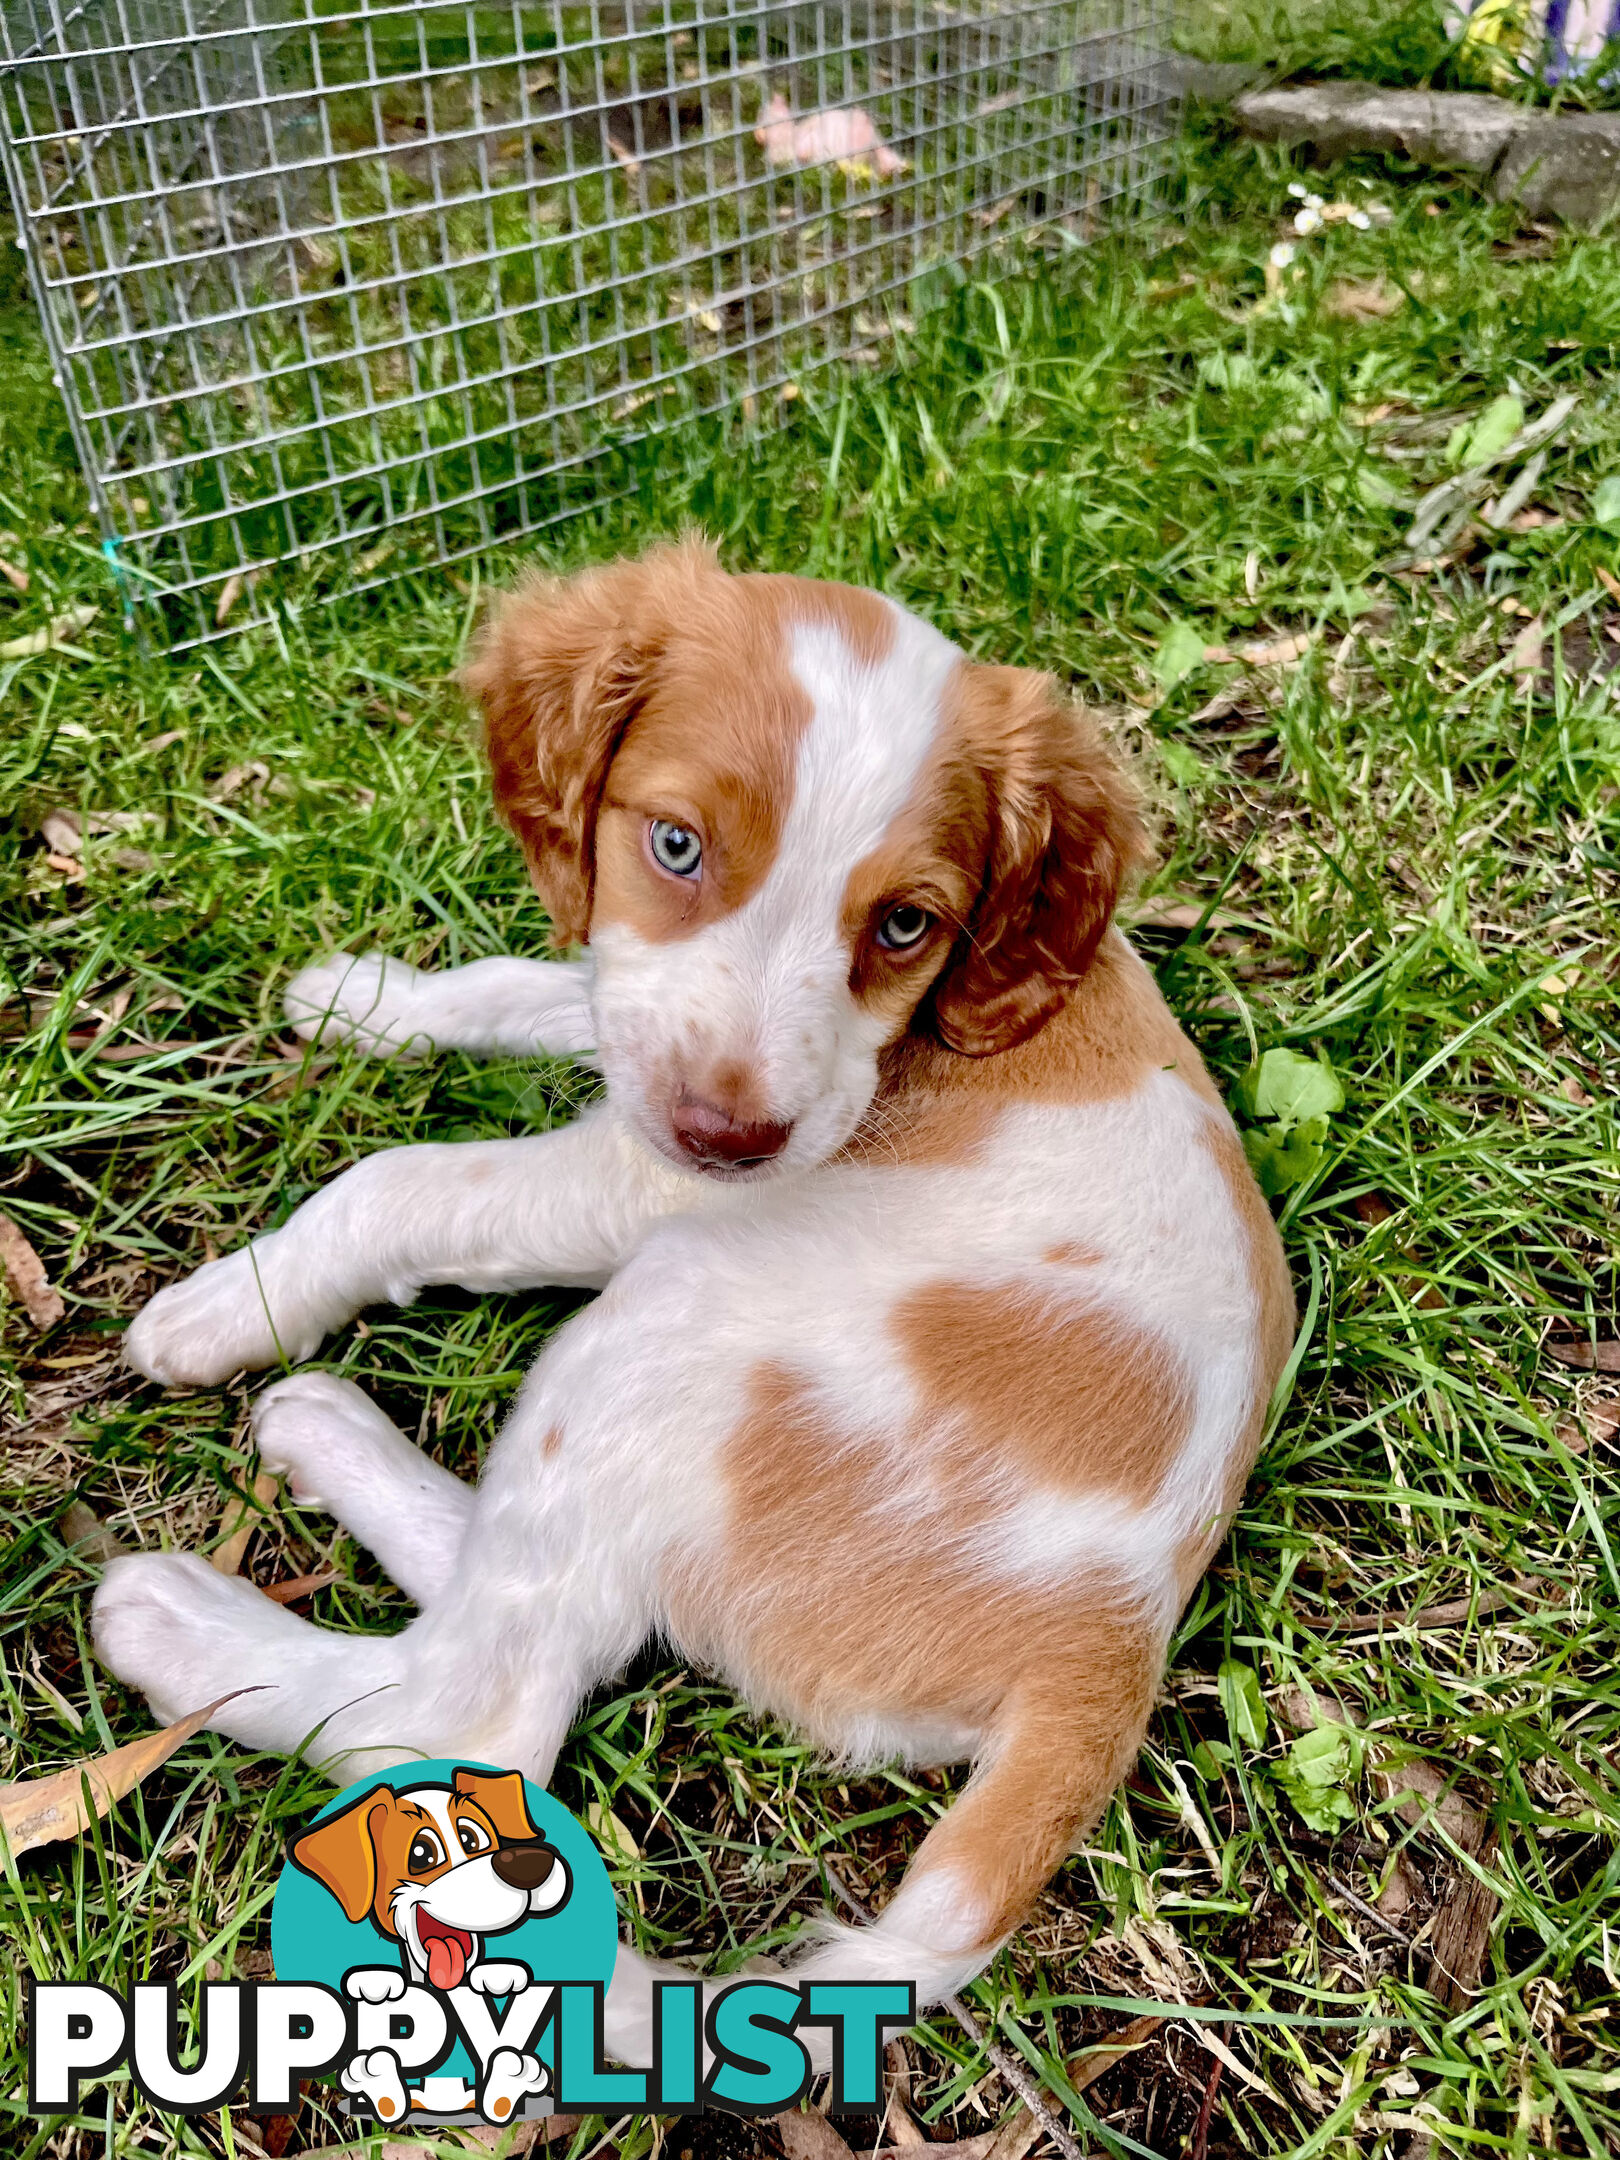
(367, 1001)
(185, 1635)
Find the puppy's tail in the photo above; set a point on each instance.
(1032, 1796)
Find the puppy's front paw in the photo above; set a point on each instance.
(182, 1633)
(367, 1001)
(375, 1983)
(232, 1315)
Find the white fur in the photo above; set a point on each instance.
(545, 1581)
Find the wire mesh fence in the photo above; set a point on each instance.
(337, 290)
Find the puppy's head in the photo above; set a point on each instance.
(792, 822)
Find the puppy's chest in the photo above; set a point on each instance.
(1074, 1276)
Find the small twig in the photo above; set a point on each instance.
(1453, 1613)
(1013, 2071)
(1370, 1913)
(1199, 2147)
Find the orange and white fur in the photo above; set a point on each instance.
(938, 1314)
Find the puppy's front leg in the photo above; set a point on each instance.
(492, 1008)
(564, 1207)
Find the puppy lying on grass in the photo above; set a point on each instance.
(939, 1311)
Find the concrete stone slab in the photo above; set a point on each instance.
(1558, 165)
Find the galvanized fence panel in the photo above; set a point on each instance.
(338, 290)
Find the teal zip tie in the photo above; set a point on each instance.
(109, 549)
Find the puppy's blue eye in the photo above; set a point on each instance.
(676, 848)
(903, 927)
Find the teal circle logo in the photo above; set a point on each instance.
(446, 1900)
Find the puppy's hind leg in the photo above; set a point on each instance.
(491, 1008)
(338, 1452)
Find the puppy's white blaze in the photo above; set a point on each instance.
(768, 986)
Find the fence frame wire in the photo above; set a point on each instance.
(338, 289)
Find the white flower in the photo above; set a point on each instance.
(1360, 220)
(1296, 189)
(1307, 221)
(1283, 254)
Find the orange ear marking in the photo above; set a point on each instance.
(341, 1852)
(558, 669)
(1065, 836)
(500, 1797)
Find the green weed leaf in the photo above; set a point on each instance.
(1227, 371)
(1281, 1160)
(1180, 651)
(1378, 492)
(1472, 444)
(1291, 1088)
(1243, 1703)
(1316, 1771)
(1606, 503)
(1184, 766)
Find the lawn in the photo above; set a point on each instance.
(1386, 790)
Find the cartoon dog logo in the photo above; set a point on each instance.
(439, 1869)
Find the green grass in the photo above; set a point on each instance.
(1414, 858)
(1405, 43)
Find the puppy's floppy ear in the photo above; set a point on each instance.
(501, 1798)
(1063, 834)
(341, 1852)
(559, 668)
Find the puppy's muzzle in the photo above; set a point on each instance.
(523, 1865)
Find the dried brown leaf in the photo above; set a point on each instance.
(1279, 652)
(57, 632)
(242, 1517)
(806, 2134)
(83, 1529)
(1584, 1356)
(1094, 2062)
(300, 1586)
(42, 1811)
(1527, 646)
(1354, 299)
(1168, 913)
(1016, 2135)
(25, 1271)
(14, 575)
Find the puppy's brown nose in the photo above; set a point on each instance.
(523, 1867)
(711, 1135)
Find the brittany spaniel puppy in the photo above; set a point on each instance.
(939, 1312)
